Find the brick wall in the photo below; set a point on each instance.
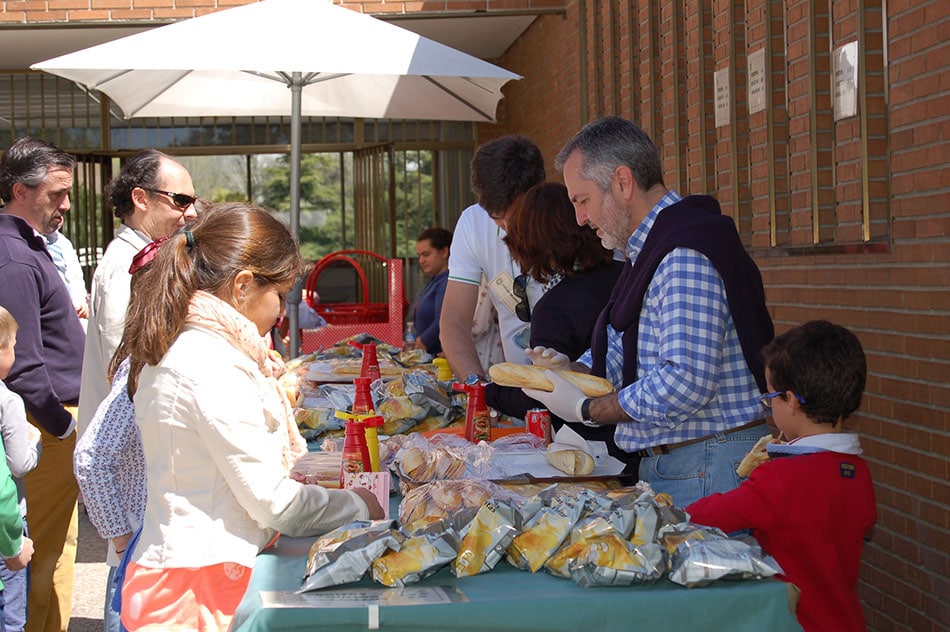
(847, 219)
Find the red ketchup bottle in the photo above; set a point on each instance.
(362, 399)
(353, 447)
(477, 419)
(370, 366)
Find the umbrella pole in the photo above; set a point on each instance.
(293, 300)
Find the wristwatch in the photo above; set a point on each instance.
(585, 414)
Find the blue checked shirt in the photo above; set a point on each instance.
(692, 379)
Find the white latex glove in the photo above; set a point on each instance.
(564, 401)
(548, 358)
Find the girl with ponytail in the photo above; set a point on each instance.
(217, 431)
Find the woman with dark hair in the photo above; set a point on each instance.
(432, 247)
(217, 430)
(578, 274)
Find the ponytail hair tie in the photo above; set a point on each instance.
(189, 240)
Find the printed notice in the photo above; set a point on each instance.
(721, 88)
(757, 83)
(846, 81)
(363, 597)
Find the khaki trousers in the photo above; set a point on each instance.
(51, 494)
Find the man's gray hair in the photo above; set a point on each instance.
(27, 161)
(611, 142)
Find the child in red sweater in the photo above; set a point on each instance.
(811, 505)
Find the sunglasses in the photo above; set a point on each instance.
(768, 397)
(180, 200)
(519, 288)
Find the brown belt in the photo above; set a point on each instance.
(666, 449)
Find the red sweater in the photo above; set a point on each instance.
(811, 513)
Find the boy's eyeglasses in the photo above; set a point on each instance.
(519, 288)
(768, 397)
(180, 200)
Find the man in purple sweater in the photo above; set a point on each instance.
(36, 178)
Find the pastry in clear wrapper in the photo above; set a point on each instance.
(454, 500)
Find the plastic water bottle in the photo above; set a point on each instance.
(410, 336)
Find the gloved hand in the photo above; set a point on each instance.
(564, 401)
(548, 358)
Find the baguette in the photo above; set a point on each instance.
(756, 456)
(530, 376)
(571, 462)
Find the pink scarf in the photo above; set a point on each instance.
(209, 312)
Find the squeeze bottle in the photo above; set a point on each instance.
(362, 399)
(477, 419)
(370, 366)
(352, 451)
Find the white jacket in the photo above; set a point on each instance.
(110, 301)
(217, 489)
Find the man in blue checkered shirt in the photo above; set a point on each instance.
(681, 335)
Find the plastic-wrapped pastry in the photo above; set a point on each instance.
(457, 501)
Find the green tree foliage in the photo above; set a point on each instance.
(323, 227)
(415, 203)
(321, 200)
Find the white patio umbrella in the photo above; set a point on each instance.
(287, 57)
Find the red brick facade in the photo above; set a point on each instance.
(847, 219)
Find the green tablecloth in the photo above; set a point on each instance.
(508, 599)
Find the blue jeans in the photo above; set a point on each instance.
(16, 586)
(110, 621)
(700, 469)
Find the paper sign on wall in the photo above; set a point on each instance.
(721, 88)
(757, 82)
(846, 81)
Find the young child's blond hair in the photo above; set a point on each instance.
(8, 326)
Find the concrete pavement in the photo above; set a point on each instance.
(89, 585)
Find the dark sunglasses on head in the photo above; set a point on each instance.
(180, 200)
(519, 288)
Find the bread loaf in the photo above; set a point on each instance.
(530, 376)
(571, 462)
(756, 456)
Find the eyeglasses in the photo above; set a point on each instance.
(497, 214)
(768, 397)
(519, 289)
(180, 200)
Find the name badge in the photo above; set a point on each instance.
(501, 286)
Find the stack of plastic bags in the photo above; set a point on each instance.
(615, 538)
